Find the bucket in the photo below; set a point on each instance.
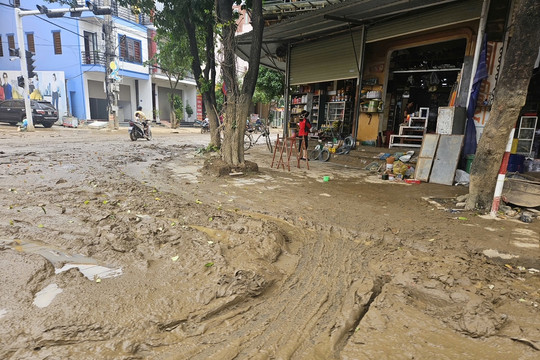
(373, 106)
(470, 159)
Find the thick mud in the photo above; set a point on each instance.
(112, 249)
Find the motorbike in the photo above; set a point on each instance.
(205, 126)
(137, 130)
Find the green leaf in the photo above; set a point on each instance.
(210, 264)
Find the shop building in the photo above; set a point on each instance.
(358, 66)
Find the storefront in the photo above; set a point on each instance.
(353, 65)
(359, 65)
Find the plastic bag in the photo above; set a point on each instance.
(462, 177)
(400, 168)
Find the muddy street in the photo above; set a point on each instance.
(113, 249)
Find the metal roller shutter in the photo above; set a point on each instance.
(329, 59)
(333, 58)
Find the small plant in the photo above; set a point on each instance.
(189, 110)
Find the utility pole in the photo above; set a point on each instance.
(110, 84)
(22, 57)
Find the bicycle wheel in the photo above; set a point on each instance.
(269, 143)
(325, 155)
(314, 154)
(248, 140)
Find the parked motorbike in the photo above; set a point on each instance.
(137, 130)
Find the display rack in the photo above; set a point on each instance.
(527, 127)
(317, 110)
(412, 131)
(299, 102)
(337, 111)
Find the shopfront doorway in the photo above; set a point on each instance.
(426, 76)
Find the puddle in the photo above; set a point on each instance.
(45, 297)
(63, 261)
(218, 235)
(186, 172)
(525, 232)
(92, 272)
(525, 245)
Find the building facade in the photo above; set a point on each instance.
(70, 56)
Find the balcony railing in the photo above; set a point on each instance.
(125, 12)
(294, 6)
(93, 58)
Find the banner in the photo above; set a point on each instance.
(46, 85)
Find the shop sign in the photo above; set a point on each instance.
(199, 107)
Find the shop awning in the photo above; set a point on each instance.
(384, 18)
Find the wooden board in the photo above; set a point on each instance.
(446, 159)
(425, 158)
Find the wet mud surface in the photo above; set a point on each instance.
(112, 249)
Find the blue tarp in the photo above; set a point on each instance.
(481, 73)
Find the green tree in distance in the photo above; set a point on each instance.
(173, 59)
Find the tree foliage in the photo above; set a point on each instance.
(270, 86)
(172, 58)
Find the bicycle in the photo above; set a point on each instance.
(249, 142)
(320, 152)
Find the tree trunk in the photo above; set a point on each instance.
(232, 150)
(238, 100)
(174, 124)
(510, 96)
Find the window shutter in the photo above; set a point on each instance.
(130, 49)
(57, 43)
(1, 47)
(30, 42)
(138, 52)
(123, 49)
(11, 44)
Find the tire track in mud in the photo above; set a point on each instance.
(326, 279)
(309, 314)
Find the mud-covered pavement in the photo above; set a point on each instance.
(111, 249)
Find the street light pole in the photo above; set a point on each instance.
(22, 57)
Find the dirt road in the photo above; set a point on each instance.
(112, 249)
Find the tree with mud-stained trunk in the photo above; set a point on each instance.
(238, 97)
(509, 97)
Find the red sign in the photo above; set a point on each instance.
(199, 107)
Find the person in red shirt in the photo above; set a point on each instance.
(303, 131)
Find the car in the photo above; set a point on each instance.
(13, 111)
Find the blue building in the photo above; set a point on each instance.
(70, 60)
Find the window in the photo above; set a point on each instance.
(57, 42)
(91, 55)
(1, 47)
(130, 50)
(11, 44)
(30, 42)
